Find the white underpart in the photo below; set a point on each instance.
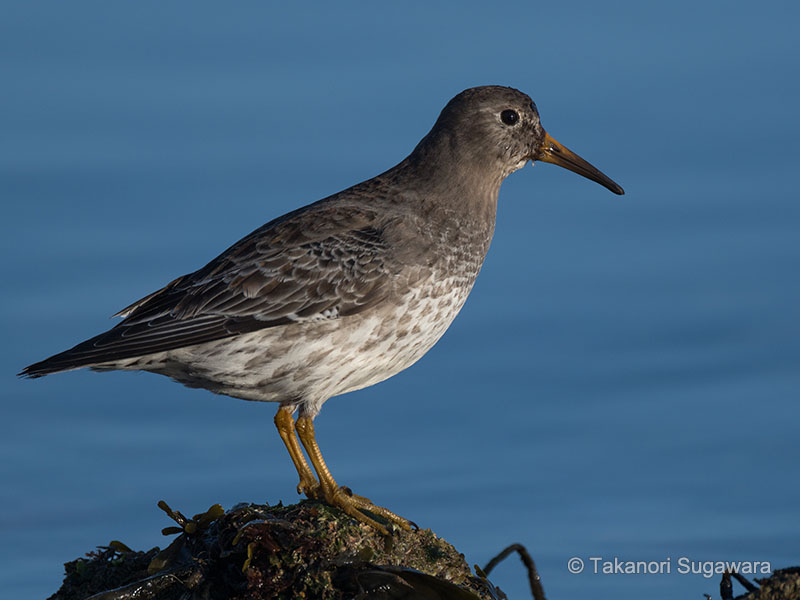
(307, 363)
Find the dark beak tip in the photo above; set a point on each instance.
(552, 152)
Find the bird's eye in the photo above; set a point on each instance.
(509, 117)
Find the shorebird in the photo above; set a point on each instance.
(343, 293)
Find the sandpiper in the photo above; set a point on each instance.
(343, 293)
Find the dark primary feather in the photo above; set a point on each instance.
(320, 262)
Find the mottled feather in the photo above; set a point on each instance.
(323, 262)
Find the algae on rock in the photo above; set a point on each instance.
(307, 550)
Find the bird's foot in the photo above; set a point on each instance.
(356, 506)
(311, 488)
(328, 490)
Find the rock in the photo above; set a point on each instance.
(307, 550)
(783, 584)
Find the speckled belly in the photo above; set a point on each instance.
(307, 363)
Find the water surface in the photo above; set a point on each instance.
(623, 381)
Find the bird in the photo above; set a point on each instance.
(343, 293)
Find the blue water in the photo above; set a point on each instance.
(623, 381)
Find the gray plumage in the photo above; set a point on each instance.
(342, 293)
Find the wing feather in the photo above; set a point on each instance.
(321, 263)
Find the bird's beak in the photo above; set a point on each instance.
(552, 152)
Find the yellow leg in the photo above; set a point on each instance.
(285, 423)
(335, 495)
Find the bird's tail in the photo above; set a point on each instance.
(83, 355)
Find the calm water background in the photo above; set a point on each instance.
(624, 378)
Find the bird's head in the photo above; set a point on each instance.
(500, 127)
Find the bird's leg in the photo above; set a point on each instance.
(340, 497)
(285, 423)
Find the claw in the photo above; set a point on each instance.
(326, 489)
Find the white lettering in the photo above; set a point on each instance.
(685, 566)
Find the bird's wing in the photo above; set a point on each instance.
(311, 265)
(283, 273)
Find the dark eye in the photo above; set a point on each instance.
(509, 117)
